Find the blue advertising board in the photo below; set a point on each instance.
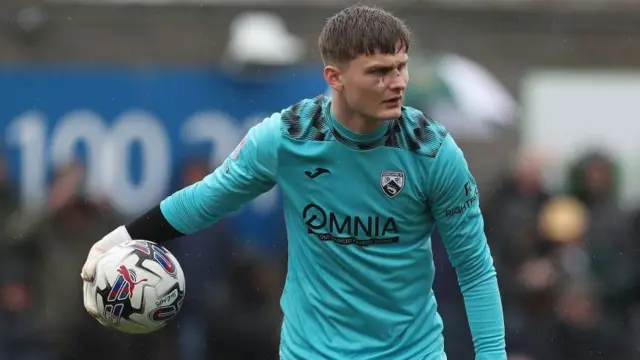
(134, 127)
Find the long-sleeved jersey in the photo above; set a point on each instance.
(360, 210)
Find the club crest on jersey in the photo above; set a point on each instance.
(392, 183)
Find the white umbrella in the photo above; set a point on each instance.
(262, 38)
(461, 94)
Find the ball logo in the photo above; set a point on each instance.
(158, 253)
(113, 313)
(124, 285)
(161, 256)
(169, 307)
(140, 246)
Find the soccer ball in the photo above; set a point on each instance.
(139, 287)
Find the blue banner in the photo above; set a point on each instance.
(135, 127)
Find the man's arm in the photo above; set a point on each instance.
(454, 203)
(249, 171)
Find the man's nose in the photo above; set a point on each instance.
(398, 82)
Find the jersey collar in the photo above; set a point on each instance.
(355, 137)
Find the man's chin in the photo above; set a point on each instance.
(388, 114)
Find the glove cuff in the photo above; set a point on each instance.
(118, 236)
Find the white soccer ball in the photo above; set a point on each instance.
(139, 287)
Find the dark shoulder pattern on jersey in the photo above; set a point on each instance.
(417, 133)
(307, 120)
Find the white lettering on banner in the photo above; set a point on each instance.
(216, 128)
(80, 126)
(144, 128)
(108, 153)
(224, 134)
(27, 132)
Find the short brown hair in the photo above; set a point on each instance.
(362, 30)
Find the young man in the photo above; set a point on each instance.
(365, 181)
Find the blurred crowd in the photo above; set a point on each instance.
(232, 306)
(567, 263)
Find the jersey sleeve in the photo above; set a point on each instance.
(454, 202)
(248, 171)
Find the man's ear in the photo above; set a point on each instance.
(333, 76)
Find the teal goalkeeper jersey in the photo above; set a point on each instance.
(360, 210)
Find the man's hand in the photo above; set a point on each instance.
(90, 303)
(114, 238)
(88, 273)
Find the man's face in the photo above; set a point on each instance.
(374, 86)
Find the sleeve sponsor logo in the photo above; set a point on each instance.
(470, 197)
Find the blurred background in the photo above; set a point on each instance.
(107, 106)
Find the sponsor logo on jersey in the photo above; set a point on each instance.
(392, 183)
(470, 197)
(317, 172)
(469, 189)
(351, 229)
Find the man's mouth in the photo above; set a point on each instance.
(393, 100)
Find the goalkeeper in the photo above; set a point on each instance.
(365, 181)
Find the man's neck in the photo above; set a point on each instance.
(352, 120)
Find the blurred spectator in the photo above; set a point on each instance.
(204, 257)
(511, 223)
(245, 323)
(594, 179)
(563, 262)
(19, 338)
(583, 331)
(44, 253)
(232, 305)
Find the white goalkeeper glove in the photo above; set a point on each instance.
(88, 273)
